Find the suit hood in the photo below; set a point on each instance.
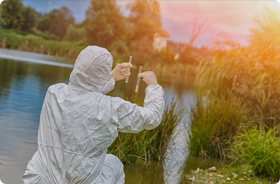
(92, 70)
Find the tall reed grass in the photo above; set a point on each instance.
(148, 145)
(213, 124)
(236, 75)
(258, 146)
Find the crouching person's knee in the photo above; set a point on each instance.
(113, 170)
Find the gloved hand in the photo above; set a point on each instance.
(149, 77)
(120, 72)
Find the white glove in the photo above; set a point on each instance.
(120, 72)
(149, 78)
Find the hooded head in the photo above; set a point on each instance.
(92, 70)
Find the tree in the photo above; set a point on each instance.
(199, 24)
(16, 16)
(12, 13)
(60, 20)
(2, 22)
(56, 22)
(38, 16)
(104, 23)
(144, 18)
(186, 54)
(29, 19)
(44, 24)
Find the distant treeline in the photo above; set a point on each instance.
(104, 26)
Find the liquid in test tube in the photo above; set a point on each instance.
(138, 80)
(130, 59)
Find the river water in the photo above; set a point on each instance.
(24, 79)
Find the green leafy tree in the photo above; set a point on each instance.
(104, 23)
(12, 13)
(38, 16)
(56, 22)
(144, 18)
(29, 19)
(60, 20)
(44, 24)
(2, 22)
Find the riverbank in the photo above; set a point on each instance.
(229, 174)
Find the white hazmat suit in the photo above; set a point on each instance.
(78, 123)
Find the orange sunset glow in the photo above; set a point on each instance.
(233, 17)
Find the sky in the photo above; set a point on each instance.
(228, 17)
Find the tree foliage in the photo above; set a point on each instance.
(60, 20)
(17, 16)
(44, 24)
(144, 18)
(29, 19)
(12, 13)
(2, 22)
(56, 22)
(104, 23)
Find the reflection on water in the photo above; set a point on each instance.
(176, 154)
(22, 91)
(153, 174)
(195, 162)
(35, 58)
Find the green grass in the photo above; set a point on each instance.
(259, 146)
(148, 145)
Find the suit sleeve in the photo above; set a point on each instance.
(132, 118)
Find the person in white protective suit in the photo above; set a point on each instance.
(79, 122)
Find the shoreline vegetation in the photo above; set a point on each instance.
(237, 114)
(14, 40)
(149, 145)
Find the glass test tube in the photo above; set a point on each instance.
(130, 59)
(138, 80)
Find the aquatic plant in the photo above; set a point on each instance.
(258, 145)
(255, 83)
(148, 145)
(213, 124)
